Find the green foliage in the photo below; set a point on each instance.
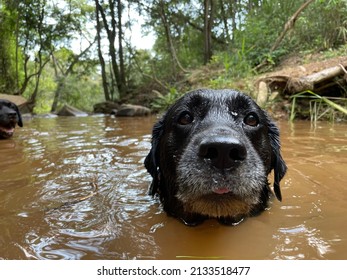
(46, 91)
(242, 32)
(261, 28)
(162, 102)
(322, 26)
(317, 108)
(235, 62)
(82, 92)
(253, 27)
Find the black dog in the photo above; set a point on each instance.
(210, 157)
(9, 117)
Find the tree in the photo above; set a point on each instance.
(36, 36)
(44, 27)
(189, 33)
(111, 15)
(8, 69)
(100, 55)
(208, 23)
(62, 72)
(162, 12)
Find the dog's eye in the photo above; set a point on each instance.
(251, 119)
(185, 118)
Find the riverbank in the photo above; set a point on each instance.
(270, 88)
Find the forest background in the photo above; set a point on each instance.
(81, 52)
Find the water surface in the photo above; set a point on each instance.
(76, 188)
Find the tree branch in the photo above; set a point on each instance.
(289, 25)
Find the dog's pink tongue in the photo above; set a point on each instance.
(7, 130)
(221, 190)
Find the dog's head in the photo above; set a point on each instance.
(210, 157)
(9, 118)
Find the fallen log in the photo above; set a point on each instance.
(295, 85)
(328, 80)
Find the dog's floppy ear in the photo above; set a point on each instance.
(20, 122)
(152, 159)
(277, 162)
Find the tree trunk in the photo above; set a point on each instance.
(41, 65)
(62, 76)
(101, 58)
(17, 50)
(233, 19)
(57, 94)
(60, 84)
(122, 71)
(175, 61)
(225, 21)
(208, 22)
(111, 36)
(316, 80)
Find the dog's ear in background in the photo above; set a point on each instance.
(152, 159)
(20, 122)
(277, 162)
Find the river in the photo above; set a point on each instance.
(76, 188)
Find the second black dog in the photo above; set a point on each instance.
(9, 118)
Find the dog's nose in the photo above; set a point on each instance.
(223, 152)
(12, 116)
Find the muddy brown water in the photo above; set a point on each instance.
(76, 188)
